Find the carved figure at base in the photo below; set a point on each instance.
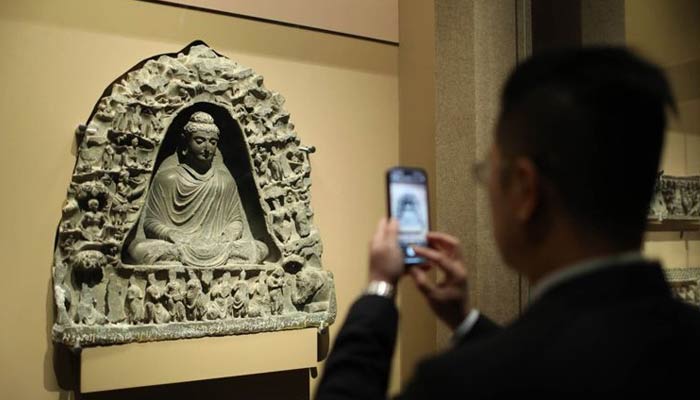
(222, 287)
(216, 309)
(275, 285)
(194, 214)
(88, 313)
(259, 305)
(695, 210)
(115, 300)
(241, 297)
(155, 307)
(62, 304)
(311, 290)
(175, 293)
(220, 295)
(135, 307)
(195, 299)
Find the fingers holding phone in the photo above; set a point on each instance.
(448, 298)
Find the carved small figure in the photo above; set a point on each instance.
(284, 228)
(195, 299)
(275, 285)
(87, 308)
(296, 161)
(695, 210)
(175, 292)
(93, 221)
(151, 126)
(115, 300)
(216, 309)
(121, 121)
(135, 302)
(260, 163)
(124, 196)
(241, 297)
(259, 305)
(274, 166)
(67, 244)
(130, 156)
(290, 198)
(104, 112)
(108, 157)
(686, 198)
(301, 221)
(310, 290)
(222, 287)
(155, 309)
(62, 304)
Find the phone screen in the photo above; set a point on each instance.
(408, 203)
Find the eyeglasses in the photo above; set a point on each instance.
(481, 170)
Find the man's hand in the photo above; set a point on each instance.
(385, 258)
(448, 298)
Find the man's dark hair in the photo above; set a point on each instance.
(592, 120)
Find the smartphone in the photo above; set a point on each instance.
(407, 201)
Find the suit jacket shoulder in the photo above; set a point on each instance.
(613, 331)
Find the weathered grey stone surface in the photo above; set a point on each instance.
(685, 284)
(676, 198)
(188, 213)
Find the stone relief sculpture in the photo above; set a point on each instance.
(188, 213)
(685, 284)
(676, 198)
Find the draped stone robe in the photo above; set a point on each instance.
(194, 218)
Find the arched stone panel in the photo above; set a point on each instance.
(106, 293)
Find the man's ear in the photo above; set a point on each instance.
(525, 189)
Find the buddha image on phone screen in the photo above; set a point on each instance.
(408, 215)
(410, 209)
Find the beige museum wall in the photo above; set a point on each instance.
(377, 19)
(342, 94)
(667, 32)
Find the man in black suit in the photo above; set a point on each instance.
(570, 177)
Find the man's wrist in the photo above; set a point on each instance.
(380, 288)
(458, 318)
(467, 324)
(379, 277)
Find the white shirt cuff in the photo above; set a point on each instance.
(466, 326)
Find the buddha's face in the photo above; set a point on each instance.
(201, 146)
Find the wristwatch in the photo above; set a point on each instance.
(380, 288)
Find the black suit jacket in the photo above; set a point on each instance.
(616, 330)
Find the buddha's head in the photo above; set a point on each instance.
(200, 138)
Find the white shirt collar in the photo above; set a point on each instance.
(581, 268)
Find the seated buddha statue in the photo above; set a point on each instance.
(193, 214)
